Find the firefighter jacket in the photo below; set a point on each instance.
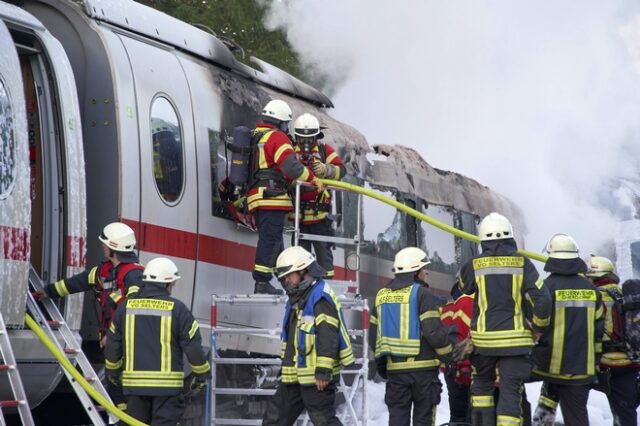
(316, 206)
(111, 285)
(274, 165)
(458, 313)
(510, 298)
(566, 351)
(150, 334)
(406, 329)
(613, 349)
(315, 342)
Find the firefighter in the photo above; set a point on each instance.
(315, 205)
(506, 285)
(146, 342)
(118, 276)
(457, 376)
(565, 355)
(409, 341)
(274, 166)
(615, 364)
(315, 343)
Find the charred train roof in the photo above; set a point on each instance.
(140, 19)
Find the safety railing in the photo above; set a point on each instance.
(352, 382)
(355, 241)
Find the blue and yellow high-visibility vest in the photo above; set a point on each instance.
(398, 322)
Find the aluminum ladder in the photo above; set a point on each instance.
(353, 411)
(71, 348)
(10, 367)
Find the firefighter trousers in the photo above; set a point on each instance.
(291, 399)
(156, 410)
(513, 370)
(459, 397)
(420, 389)
(623, 395)
(270, 229)
(322, 249)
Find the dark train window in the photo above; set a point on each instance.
(7, 149)
(168, 157)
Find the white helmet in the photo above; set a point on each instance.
(293, 259)
(160, 270)
(495, 227)
(409, 259)
(306, 126)
(118, 237)
(562, 246)
(277, 109)
(599, 266)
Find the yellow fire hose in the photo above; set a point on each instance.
(78, 377)
(423, 217)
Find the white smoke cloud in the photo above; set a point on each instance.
(538, 100)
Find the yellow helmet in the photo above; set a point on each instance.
(562, 246)
(599, 266)
(409, 259)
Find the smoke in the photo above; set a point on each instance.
(538, 100)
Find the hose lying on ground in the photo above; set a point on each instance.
(64, 362)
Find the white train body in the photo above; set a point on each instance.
(83, 87)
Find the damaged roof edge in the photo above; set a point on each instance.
(156, 25)
(406, 171)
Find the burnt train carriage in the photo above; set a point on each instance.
(140, 103)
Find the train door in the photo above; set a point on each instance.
(168, 207)
(15, 203)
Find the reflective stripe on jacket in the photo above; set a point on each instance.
(406, 314)
(509, 299)
(147, 339)
(566, 352)
(274, 152)
(310, 353)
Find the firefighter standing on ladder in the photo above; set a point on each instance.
(315, 344)
(409, 341)
(315, 205)
(119, 276)
(150, 334)
(507, 287)
(274, 165)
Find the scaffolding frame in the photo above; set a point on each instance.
(349, 392)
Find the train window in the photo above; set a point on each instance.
(7, 149)
(166, 138)
(439, 245)
(383, 228)
(218, 164)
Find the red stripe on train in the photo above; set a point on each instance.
(177, 243)
(15, 243)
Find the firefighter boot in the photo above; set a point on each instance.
(263, 287)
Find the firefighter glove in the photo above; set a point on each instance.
(196, 383)
(319, 168)
(463, 350)
(381, 367)
(113, 377)
(318, 184)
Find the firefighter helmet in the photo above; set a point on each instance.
(160, 270)
(409, 259)
(562, 246)
(495, 227)
(293, 259)
(306, 126)
(277, 109)
(599, 266)
(118, 237)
